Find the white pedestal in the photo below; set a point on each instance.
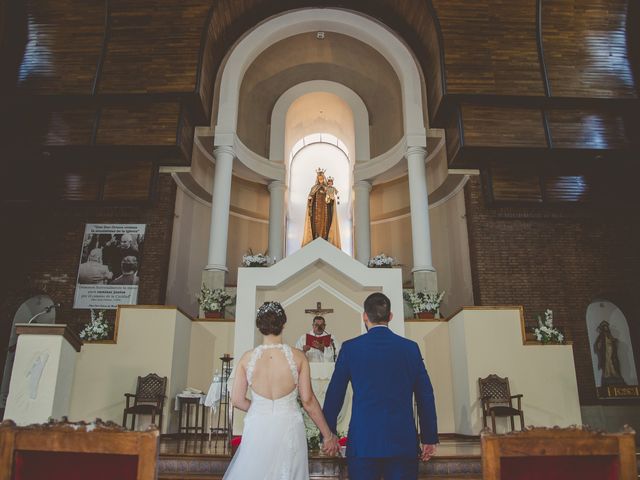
(43, 373)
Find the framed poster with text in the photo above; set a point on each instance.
(110, 260)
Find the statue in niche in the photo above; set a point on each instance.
(321, 218)
(606, 348)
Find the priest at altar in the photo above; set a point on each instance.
(319, 345)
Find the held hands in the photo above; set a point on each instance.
(427, 452)
(331, 445)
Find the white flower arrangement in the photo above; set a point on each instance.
(546, 332)
(256, 260)
(381, 261)
(424, 301)
(97, 328)
(214, 300)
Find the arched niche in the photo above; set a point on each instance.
(606, 311)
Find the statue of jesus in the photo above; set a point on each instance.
(321, 217)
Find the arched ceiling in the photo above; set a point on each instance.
(337, 58)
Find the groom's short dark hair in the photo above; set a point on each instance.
(377, 306)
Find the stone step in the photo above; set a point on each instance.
(210, 467)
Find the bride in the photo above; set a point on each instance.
(274, 443)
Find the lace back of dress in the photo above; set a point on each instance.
(257, 354)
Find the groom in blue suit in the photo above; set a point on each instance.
(385, 371)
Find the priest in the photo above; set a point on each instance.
(319, 345)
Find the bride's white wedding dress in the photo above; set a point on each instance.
(274, 443)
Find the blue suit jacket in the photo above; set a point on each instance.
(385, 371)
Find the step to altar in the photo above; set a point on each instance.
(201, 460)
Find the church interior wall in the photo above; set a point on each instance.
(561, 258)
(150, 340)
(248, 229)
(433, 340)
(188, 255)
(244, 234)
(209, 341)
(43, 251)
(393, 237)
(450, 250)
(544, 374)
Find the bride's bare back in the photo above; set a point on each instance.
(272, 375)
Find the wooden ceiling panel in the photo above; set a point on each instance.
(153, 124)
(590, 129)
(502, 126)
(79, 184)
(490, 46)
(154, 46)
(70, 126)
(567, 188)
(586, 49)
(65, 39)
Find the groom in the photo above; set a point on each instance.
(385, 371)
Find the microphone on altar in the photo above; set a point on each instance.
(46, 310)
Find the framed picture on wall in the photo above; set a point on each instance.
(110, 261)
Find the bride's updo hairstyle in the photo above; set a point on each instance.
(271, 318)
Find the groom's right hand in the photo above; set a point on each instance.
(427, 452)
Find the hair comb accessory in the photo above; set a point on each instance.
(271, 307)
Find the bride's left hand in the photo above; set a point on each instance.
(331, 446)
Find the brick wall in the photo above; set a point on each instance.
(42, 244)
(561, 258)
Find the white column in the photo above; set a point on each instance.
(276, 219)
(362, 221)
(219, 229)
(419, 201)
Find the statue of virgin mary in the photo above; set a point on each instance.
(321, 217)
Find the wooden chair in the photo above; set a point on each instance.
(148, 400)
(559, 454)
(497, 401)
(77, 451)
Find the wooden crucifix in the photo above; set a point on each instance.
(318, 310)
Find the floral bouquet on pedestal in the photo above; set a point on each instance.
(97, 329)
(214, 301)
(381, 261)
(545, 332)
(256, 260)
(424, 304)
